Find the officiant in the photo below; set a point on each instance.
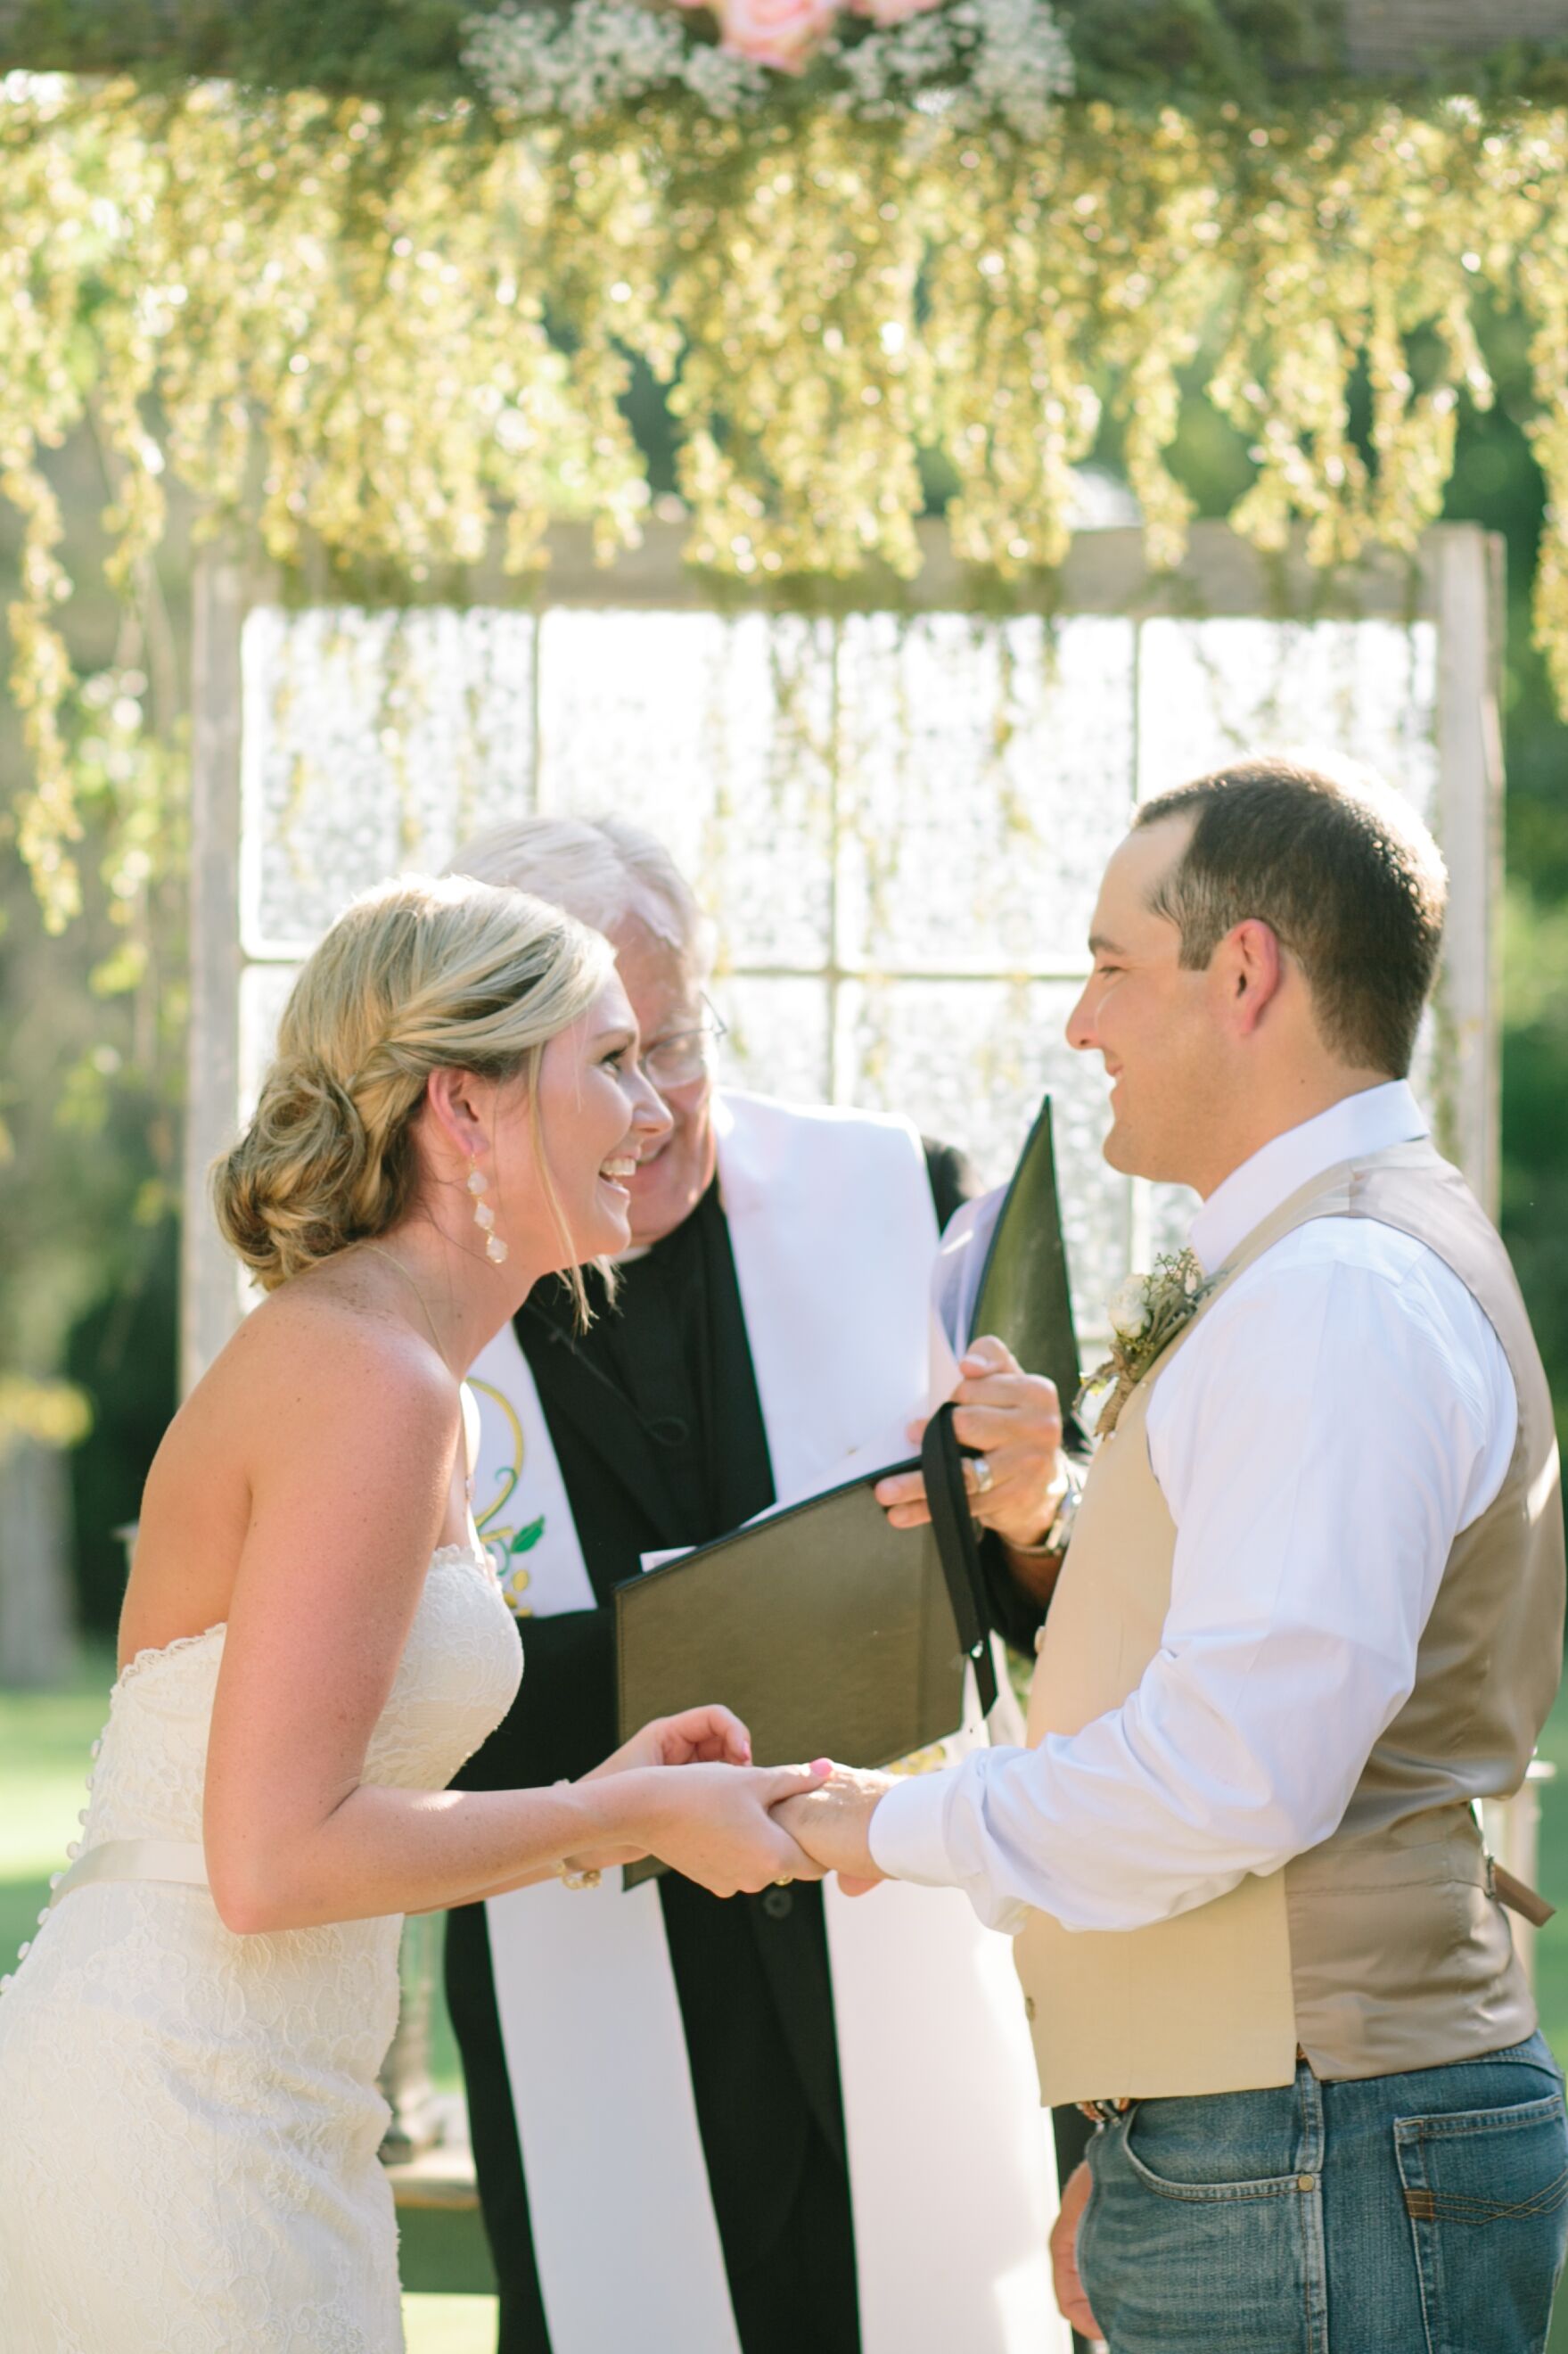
(789, 2121)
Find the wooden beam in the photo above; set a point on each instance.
(1105, 572)
(210, 1299)
(1384, 36)
(1469, 820)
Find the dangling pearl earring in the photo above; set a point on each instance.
(484, 1216)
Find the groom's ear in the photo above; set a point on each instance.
(1249, 965)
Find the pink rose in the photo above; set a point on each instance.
(780, 33)
(891, 12)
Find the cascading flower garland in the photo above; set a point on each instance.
(976, 60)
(379, 338)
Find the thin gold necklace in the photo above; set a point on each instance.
(419, 1295)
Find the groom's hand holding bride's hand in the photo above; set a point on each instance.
(832, 1824)
(711, 1820)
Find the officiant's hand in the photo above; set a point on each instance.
(832, 1823)
(1013, 1420)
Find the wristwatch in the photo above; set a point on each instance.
(1052, 1545)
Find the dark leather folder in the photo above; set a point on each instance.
(1025, 1298)
(830, 1633)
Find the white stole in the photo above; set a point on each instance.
(951, 2172)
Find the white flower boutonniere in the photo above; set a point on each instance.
(1146, 1312)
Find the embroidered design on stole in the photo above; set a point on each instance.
(506, 1545)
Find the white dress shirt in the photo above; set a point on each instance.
(1342, 1411)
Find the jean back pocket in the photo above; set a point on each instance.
(1487, 2194)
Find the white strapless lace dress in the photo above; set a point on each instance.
(189, 2119)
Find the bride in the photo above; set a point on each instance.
(312, 1641)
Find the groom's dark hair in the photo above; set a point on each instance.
(1350, 882)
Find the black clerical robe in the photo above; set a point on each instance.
(658, 1430)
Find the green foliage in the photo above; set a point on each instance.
(53, 1414)
(123, 1357)
(1165, 51)
(394, 341)
(406, 53)
(1496, 481)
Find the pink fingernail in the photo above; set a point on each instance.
(821, 1765)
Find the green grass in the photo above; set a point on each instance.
(45, 1741)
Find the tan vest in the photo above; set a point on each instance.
(1382, 1949)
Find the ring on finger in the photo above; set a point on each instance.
(785, 1880)
(985, 1478)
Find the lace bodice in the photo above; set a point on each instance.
(456, 1677)
(209, 2099)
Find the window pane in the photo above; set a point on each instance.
(373, 743)
(1357, 690)
(987, 775)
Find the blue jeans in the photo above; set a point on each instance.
(1417, 2214)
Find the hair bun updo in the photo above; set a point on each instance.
(290, 1192)
(416, 976)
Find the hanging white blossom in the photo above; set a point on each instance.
(973, 60)
(602, 56)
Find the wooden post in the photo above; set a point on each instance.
(1469, 819)
(210, 1297)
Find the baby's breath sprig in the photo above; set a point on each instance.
(1146, 1312)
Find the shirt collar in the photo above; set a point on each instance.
(1368, 1122)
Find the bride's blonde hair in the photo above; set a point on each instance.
(420, 975)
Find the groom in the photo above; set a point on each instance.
(1313, 1611)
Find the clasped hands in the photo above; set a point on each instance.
(734, 1827)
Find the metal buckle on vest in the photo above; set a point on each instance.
(1518, 1894)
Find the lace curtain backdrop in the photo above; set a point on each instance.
(898, 818)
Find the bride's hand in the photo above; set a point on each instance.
(705, 1736)
(712, 1822)
(832, 1823)
(695, 1736)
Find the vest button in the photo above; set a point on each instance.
(777, 1904)
(1306, 2182)
(1029, 2006)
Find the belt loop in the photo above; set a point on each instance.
(1310, 2113)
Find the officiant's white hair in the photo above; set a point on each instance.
(605, 871)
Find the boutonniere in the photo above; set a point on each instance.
(1146, 1312)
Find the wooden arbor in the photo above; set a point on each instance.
(898, 804)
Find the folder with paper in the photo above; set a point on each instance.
(827, 1631)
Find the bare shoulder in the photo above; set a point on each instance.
(324, 1413)
(319, 1356)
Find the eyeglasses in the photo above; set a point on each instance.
(682, 1056)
